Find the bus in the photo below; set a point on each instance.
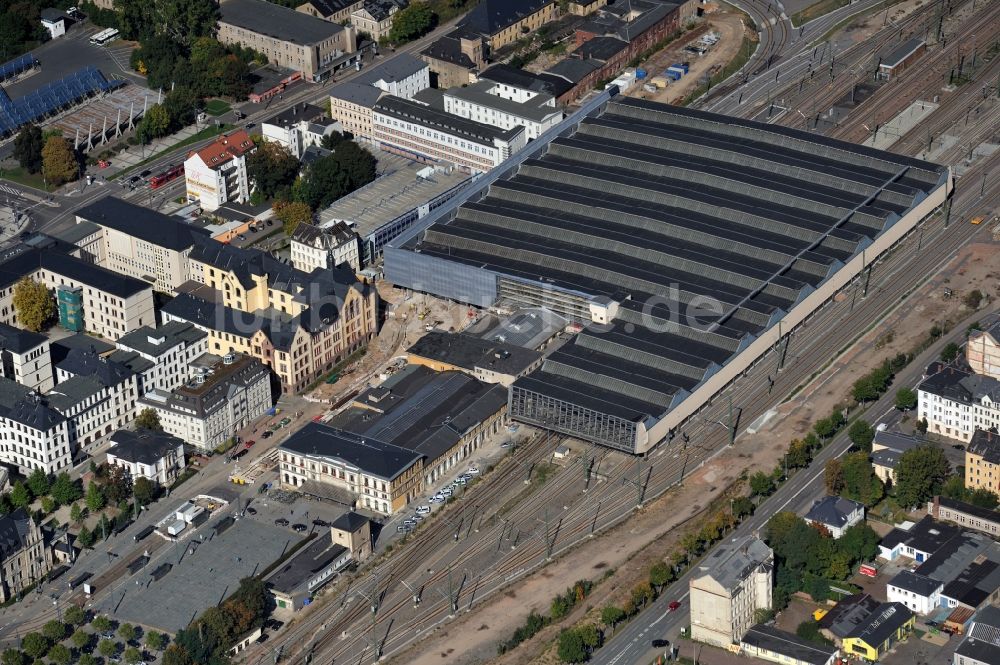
(104, 36)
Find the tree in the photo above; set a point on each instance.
(33, 304)
(54, 630)
(177, 655)
(86, 659)
(148, 419)
(742, 506)
(117, 484)
(333, 176)
(763, 615)
(107, 648)
(954, 487)
(35, 645)
(101, 623)
(920, 473)
(611, 616)
(660, 574)
(824, 428)
(412, 22)
(75, 513)
(973, 299)
(187, 20)
(271, 168)
(797, 456)
(80, 638)
(132, 656)
(156, 641)
(906, 399)
(761, 484)
(144, 491)
(38, 483)
(861, 434)
(95, 497)
(59, 164)
(860, 542)
(571, 647)
(591, 637)
(154, 124)
(950, 352)
(292, 214)
(20, 496)
(85, 537)
(334, 139)
(28, 148)
(127, 632)
(859, 480)
(922, 425)
(60, 655)
(13, 657)
(49, 505)
(65, 490)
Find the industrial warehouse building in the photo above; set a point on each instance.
(689, 242)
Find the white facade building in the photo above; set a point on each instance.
(32, 434)
(494, 104)
(156, 456)
(222, 396)
(836, 514)
(429, 135)
(217, 173)
(97, 396)
(25, 358)
(919, 593)
(313, 247)
(167, 352)
(956, 402)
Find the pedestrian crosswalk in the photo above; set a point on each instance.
(7, 189)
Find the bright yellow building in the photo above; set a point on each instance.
(887, 625)
(982, 461)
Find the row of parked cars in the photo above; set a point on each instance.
(440, 496)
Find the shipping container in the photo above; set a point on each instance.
(659, 81)
(640, 73)
(649, 87)
(175, 528)
(674, 75)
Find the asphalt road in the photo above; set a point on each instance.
(631, 645)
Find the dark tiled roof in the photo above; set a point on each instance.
(918, 584)
(14, 529)
(927, 535)
(356, 93)
(882, 623)
(982, 513)
(275, 21)
(143, 446)
(601, 49)
(141, 222)
(60, 348)
(349, 522)
(327, 8)
(982, 643)
(425, 116)
(787, 644)
(832, 510)
(157, 341)
(18, 340)
(397, 68)
(846, 615)
(449, 49)
(469, 352)
(304, 565)
(517, 78)
(377, 458)
(492, 16)
(986, 444)
(79, 362)
(573, 70)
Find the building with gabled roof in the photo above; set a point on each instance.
(488, 360)
(156, 456)
(730, 585)
(38, 435)
(886, 626)
(24, 557)
(982, 461)
(217, 173)
(313, 247)
(160, 355)
(335, 11)
(350, 469)
(778, 646)
(455, 58)
(502, 22)
(956, 402)
(836, 514)
(25, 357)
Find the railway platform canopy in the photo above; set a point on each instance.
(688, 244)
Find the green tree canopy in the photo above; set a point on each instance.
(859, 480)
(906, 399)
(75, 615)
(59, 163)
(761, 484)
(60, 655)
(660, 573)
(28, 148)
(333, 176)
(132, 656)
(408, 24)
(13, 657)
(149, 419)
(271, 168)
(65, 490)
(20, 496)
(80, 638)
(107, 648)
(920, 474)
(127, 632)
(95, 497)
(38, 483)
(612, 615)
(144, 490)
(33, 304)
(571, 648)
(950, 352)
(54, 630)
(155, 123)
(101, 623)
(156, 641)
(35, 645)
(86, 659)
(861, 434)
(291, 215)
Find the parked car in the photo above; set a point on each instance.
(322, 523)
(437, 498)
(145, 174)
(423, 510)
(299, 528)
(262, 638)
(460, 481)
(274, 624)
(417, 518)
(660, 644)
(251, 511)
(472, 470)
(267, 434)
(281, 521)
(410, 523)
(446, 491)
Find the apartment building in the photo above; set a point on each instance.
(350, 469)
(217, 173)
(96, 396)
(982, 351)
(352, 103)
(32, 434)
(496, 105)
(292, 39)
(455, 58)
(982, 461)
(313, 247)
(433, 136)
(731, 584)
(24, 558)
(298, 128)
(503, 22)
(161, 356)
(299, 324)
(25, 358)
(956, 402)
(223, 395)
(140, 242)
(335, 11)
(374, 17)
(155, 456)
(887, 448)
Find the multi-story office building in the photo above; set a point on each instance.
(430, 135)
(956, 402)
(96, 395)
(140, 242)
(156, 456)
(24, 558)
(25, 358)
(350, 469)
(217, 173)
(33, 435)
(313, 247)
(161, 356)
(292, 39)
(222, 396)
(494, 104)
(730, 586)
(352, 103)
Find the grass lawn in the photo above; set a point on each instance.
(821, 8)
(20, 176)
(217, 107)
